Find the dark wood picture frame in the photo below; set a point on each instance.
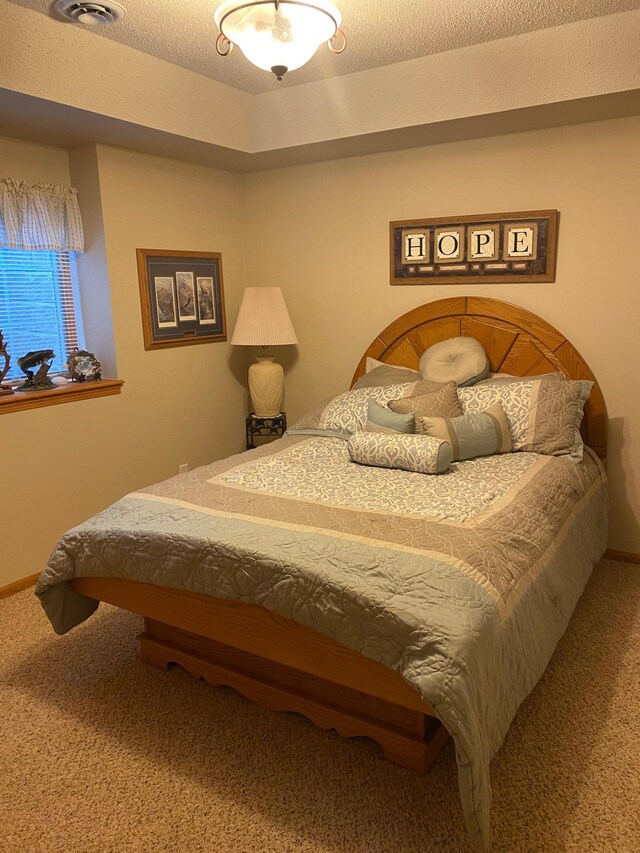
(181, 297)
(500, 268)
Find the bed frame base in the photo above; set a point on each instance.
(278, 663)
(408, 737)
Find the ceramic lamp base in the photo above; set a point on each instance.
(266, 382)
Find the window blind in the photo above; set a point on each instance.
(38, 305)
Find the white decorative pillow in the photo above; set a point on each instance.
(544, 416)
(418, 453)
(461, 360)
(347, 413)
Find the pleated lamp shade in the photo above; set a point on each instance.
(263, 319)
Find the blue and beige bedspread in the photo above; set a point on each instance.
(463, 582)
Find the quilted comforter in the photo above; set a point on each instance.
(463, 582)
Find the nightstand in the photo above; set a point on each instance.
(268, 427)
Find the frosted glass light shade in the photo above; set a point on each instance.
(283, 36)
(263, 319)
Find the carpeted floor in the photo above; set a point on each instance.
(99, 752)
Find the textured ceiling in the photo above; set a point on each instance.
(378, 32)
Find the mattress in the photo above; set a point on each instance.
(463, 583)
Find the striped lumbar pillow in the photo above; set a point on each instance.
(481, 434)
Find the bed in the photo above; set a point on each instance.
(404, 610)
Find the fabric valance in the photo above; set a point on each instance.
(39, 216)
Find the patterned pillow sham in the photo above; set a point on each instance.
(418, 453)
(440, 402)
(382, 419)
(347, 413)
(473, 435)
(309, 423)
(544, 416)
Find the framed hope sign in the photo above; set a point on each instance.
(482, 248)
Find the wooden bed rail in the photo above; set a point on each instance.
(279, 664)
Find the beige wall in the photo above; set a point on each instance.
(321, 233)
(186, 396)
(62, 464)
(29, 161)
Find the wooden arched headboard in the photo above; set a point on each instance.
(516, 341)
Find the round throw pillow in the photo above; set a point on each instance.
(460, 360)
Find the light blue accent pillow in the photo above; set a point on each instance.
(478, 434)
(382, 419)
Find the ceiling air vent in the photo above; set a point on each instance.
(92, 14)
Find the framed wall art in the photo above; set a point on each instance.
(481, 248)
(182, 297)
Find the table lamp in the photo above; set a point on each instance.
(263, 320)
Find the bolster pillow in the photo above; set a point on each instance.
(476, 434)
(419, 453)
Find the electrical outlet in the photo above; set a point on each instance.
(183, 468)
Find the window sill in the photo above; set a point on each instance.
(21, 400)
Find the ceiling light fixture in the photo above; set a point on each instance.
(278, 35)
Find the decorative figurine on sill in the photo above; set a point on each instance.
(83, 366)
(4, 389)
(38, 381)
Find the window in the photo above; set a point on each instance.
(39, 307)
